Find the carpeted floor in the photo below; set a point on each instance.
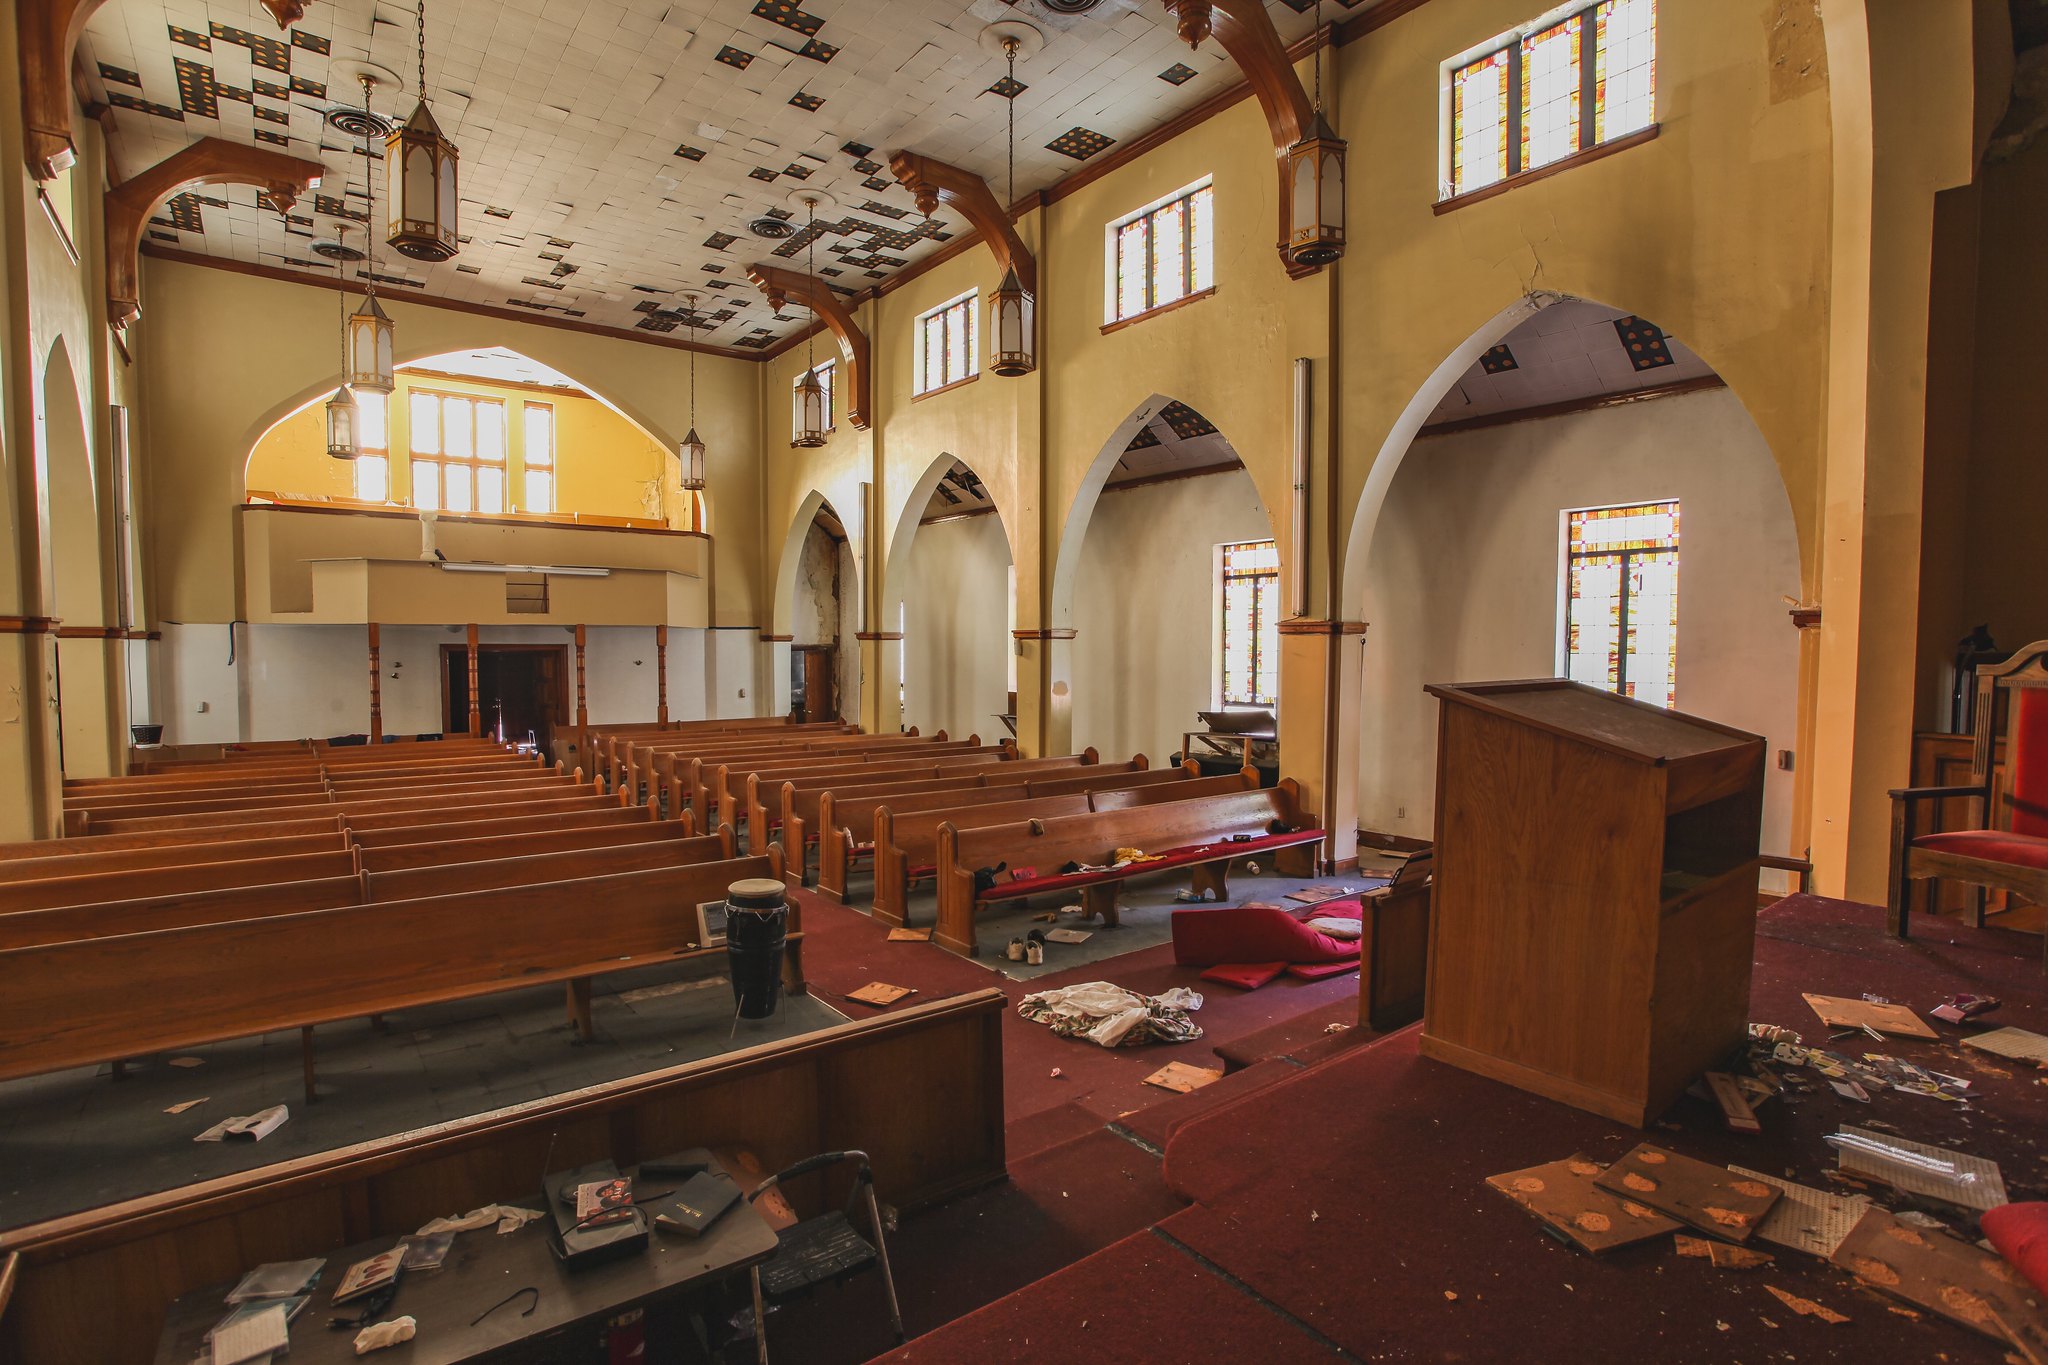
(1345, 1200)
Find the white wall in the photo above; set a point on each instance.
(956, 614)
(1146, 610)
(1463, 583)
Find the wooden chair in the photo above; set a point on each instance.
(2008, 850)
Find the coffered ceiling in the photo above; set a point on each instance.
(615, 152)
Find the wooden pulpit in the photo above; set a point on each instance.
(1596, 893)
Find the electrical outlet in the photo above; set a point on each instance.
(1400, 812)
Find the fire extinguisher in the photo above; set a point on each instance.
(625, 1338)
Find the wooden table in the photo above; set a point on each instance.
(482, 1269)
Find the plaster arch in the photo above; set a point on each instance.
(1081, 510)
(897, 577)
(784, 604)
(68, 497)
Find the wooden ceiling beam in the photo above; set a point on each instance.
(286, 12)
(279, 178)
(47, 32)
(780, 286)
(932, 182)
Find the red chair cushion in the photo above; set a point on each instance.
(1244, 975)
(2026, 765)
(2020, 1233)
(1168, 858)
(1252, 933)
(1991, 845)
(1316, 971)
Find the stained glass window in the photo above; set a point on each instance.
(1250, 571)
(373, 466)
(947, 352)
(540, 457)
(458, 452)
(1621, 600)
(1164, 253)
(1576, 78)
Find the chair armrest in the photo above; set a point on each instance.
(1933, 793)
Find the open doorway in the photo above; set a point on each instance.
(813, 683)
(522, 692)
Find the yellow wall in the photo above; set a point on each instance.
(604, 465)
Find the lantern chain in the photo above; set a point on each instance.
(811, 266)
(423, 51)
(370, 192)
(1318, 34)
(1010, 51)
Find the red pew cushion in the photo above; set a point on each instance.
(1244, 975)
(1992, 845)
(2027, 761)
(1252, 933)
(2020, 1233)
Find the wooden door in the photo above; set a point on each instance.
(812, 683)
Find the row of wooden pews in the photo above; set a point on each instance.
(272, 890)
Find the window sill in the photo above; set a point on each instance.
(1499, 187)
(1181, 302)
(945, 388)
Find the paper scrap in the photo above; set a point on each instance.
(879, 993)
(182, 1105)
(506, 1216)
(1838, 1012)
(1807, 1307)
(1807, 1219)
(2016, 1043)
(1181, 1078)
(901, 935)
(188, 1061)
(667, 988)
(1920, 1168)
(1068, 935)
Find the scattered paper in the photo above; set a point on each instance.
(1921, 1168)
(879, 993)
(1807, 1307)
(2016, 1043)
(1807, 1219)
(1316, 895)
(182, 1105)
(1068, 935)
(1181, 1078)
(910, 935)
(247, 1127)
(1838, 1012)
(377, 1337)
(252, 1337)
(507, 1217)
(667, 988)
(188, 1061)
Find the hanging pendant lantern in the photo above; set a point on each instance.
(690, 454)
(1315, 178)
(344, 429)
(807, 416)
(419, 168)
(1012, 319)
(370, 333)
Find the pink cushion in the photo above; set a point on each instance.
(2020, 1233)
(1316, 971)
(1245, 975)
(1991, 845)
(1251, 933)
(2026, 769)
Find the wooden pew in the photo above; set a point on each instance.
(150, 914)
(788, 810)
(92, 1288)
(236, 978)
(174, 838)
(635, 753)
(604, 813)
(97, 812)
(609, 746)
(176, 855)
(450, 878)
(1128, 796)
(725, 784)
(1190, 834)
(645, 761)
(91, 888)
(546, 839)
(360, 823)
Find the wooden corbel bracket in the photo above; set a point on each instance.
(1246, 31)
(780, 286)
(932, 182)
(286, 12)
(279, 178)
(47, 32)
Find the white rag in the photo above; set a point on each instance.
(508, 1219)
(1338, 926)
(380, 1335)
(1116, 1010)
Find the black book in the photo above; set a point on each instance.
(698, 1204)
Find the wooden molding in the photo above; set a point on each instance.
(932, 182)
(1200, 471)
(545, 521)
(878, 635)
(47, 32)
(280, 180)
(1579, 158)
(286, 12)
(766, 638)
(945, 388)
(1592, 403)
(28, 625)
(1805, 618)
(89, 632)
(780, 286)
(1303, 625)
(1057, 633)
(1183, 301)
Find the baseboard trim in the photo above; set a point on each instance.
(1400, 843)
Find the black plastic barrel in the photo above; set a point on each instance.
(756, 930)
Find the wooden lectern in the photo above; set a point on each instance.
(1596, 893)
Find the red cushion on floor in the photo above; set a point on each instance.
(1992, 845)
(1251, 933)
(1245, 975)
(1316, 971)
(2020, 1233)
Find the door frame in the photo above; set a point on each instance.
(560, 699)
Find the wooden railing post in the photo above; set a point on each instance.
(376, 689)
(582, 711)
(476, 713)
(661, 674)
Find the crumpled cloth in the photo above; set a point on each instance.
(508, 1219)
(1126, 856)
(379, 1335)
(1114, 1017)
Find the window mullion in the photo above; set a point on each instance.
(1187, 246)
(1515, 111)
(1589, 75)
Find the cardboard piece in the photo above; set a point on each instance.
(1840, 1012)
(1562, 1196)
(1944, 1275)
(1068, 935)
(902, 935)
(1316, 895)
(880, 993)
(1921, 1168)
(1705, 1197)
(1181, 1078)
(1807, 1307)
(2016, 1043)
(1807, 1219)
(1735, 1110)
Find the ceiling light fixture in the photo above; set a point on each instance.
(690, 454)
(1315, 175)
(370, 330)
(809, 421)
(1011, 309)
(419, 168)
(344, 433)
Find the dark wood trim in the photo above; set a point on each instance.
(1400, 843)
(1302, 625)
(766, 638)
(945, 388)
(46, 35)
(1056, 633)
(482, 310)
(1376, 18)
(1173, 476)
(747, 628)
(878, 635)
(1593, 403)
(28, 625)
(931, 182)
(1516, 181)
(1805, 618)
(88, 632)
(522, 385)
(582, 710)
(279, 181)
(957, 516)
(779, 285)
(1183, 301)
(377, 686)
(466, 519)
(661, 674)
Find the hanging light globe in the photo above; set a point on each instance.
(807, 416)
(1011, 333)
(420, 189)
(690, 455)
(370, 333)
(344, 430)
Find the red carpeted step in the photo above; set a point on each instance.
(1157, 1123)
(1034, 1133)
(1141, 1299)
(1285, 1038)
